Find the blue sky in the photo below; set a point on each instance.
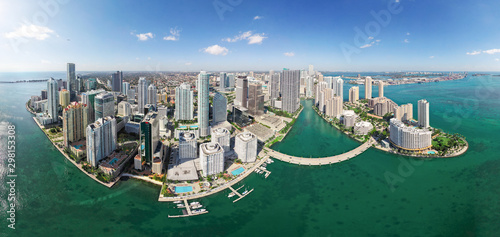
(188, 35)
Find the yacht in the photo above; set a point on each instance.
(180, 206)
(177, 202)
(196, 206)
(246, 191)
(194, 203)
(231, 195)
(200, 210)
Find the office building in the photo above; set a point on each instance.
(71, 80)
(380, 89)
(353, 94)
(231, 81)
(152, 95)
(101, 139)
(241, 91)
(245, 147)
(241, 116)
(290, 90)
(219, 108)
(116, 81)
(142, 91)
(104, 105)
(88, 98)
(149, 136)
(64, 98)
(187, 145)
(223, 137)
(124, 109)
(203, 103)
(125, 88)
(368, 88)
(255, 99)
(409, 138)
(211, 158)
(184, 102)
(223, 83)
(75, 121)
(423, 113)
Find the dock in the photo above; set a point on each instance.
(265, 171)
(239, 194)
(188, 211)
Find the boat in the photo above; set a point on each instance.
(196, 206)
(246, 191)
(194, 203)
(180, 206)
(198, 211)
(177, 202)
(231, 195)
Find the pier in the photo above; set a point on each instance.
(188, 211)
(239, 194)
(265, 171)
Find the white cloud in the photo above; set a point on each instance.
(256, 39)
(367, 45)
(149, 58)
(216, 50)
(144, 36)
(30, 31)
(248, 35)
(188, 64)
(370, 38)
(407, 41)
(289, 54)
(474, 53)
(497, 59)
(257, 17)
(492, 51)
(174, 35)
(407, 33)
(431, 57)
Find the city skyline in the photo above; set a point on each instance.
(251, 36)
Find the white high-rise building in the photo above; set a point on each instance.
(353, 94)
(125, 88)
(52, 100)
(211, 158)
(223, 137)
(104, 105)
(131, 96)
(409, 138)
(187, 145)
(423, 113)
(309, 86)
(274, 86)
(290, 85)
(101, 139)
(230, 80)
(223, 83)
(311, 70)
(338, 87)
(142, 97)
(368, 88)
(203, 103)
(380, 89)
(124, 109)
(319, 88)
(219, 108)
(241, 91)
(246, 147)
(184, 102)
(152, 95)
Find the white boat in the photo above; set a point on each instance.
(198, 211)
(196, 206)
(194, 203)
(180, 206)
(231, 195)
(246, 191)
(264, 168)
(177, 202)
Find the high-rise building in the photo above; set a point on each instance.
(64, 98)
(223, 84)
(241, 91)
(409, 138)
(231, 81)
(219, 108)
(116, 81)
(349, 118)
(203, 103)
(88, 98)
(423, 113)
(290, 90)
(255, 99)
(187, 145)
(319, 88)
(404, 112)
(245, 147)
(125, 88)
(43, 93)
(334, 107)
(309, 86)
(74, 122)
(124, 109)
(311, 70)
(149, 136)
(101, 139)
(52, 100)
(131, 96)
(104, 105)
(183, 102)
(383, 106)
(368, 88)
(338, 87)
(274, 86)
(71, 79)
(211, 158)
(152, 95)
(353, 94)
(142, 97)
(380, 89)
(223, 137)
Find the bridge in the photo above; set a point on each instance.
(323, 160)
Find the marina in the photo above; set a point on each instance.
(242, 195)
(188, 206)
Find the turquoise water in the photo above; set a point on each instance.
(183, 189)
(238, 171)
(431, 152)
(440, 197)
(78, 146)
(114, 160)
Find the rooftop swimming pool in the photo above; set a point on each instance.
(114, 160)
(238, 171)
(183, 189)
(78, 146)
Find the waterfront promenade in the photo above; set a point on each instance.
(323, 160)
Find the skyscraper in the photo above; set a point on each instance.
(423, 113)
(116, 81)
(104, 105)
(353, 94)
(187, 145)
(319, 88)
(246, 147)
(71, 78)
(290, 90)
(64, 98)
(274, 87)
(88, 98)
(368, 88)
(309, 86)
(74, 122)
(219, 108)
(230, 81)
(211, 158)
(255, 99)
(149, 136)
(223, 81)
(404, 112)
(223, 137)
(338, 87)
(152, 95)
(184, 102)
(241, 91)
(203, 103)
(125, 88)
(380, 89)
(52, 99)
(142, 97)
(101, 139)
